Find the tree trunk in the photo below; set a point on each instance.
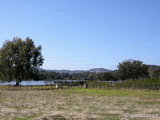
(17, 82)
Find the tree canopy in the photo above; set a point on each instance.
(106, 76)
(19, 59)
(156, 73)
(132, 69)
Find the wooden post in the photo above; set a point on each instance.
(58, 86)
(85, 85)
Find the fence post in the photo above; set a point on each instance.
(70, 84)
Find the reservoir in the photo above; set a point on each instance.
(40, 82)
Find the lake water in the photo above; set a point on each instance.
(46, 82)
(42, 82)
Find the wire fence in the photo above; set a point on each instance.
(92, 85)
(143, 86)
(64, 85)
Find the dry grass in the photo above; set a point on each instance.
(77, 104)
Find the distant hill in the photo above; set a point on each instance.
(153, 67)
(66, 71)
(95, 70)
(99, 70)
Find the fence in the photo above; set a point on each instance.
(30, 87)
(142, 86)
(93, 85)
(64, 85)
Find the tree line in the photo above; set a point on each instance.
(45, 75)
(126, 70)
(21, 60)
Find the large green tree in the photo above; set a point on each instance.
(132, 69)
(19, 59)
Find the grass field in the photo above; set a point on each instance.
(79, 104)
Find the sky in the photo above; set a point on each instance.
(85, 34)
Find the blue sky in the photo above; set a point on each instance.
(85, 34)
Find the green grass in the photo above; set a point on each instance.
(42, 87)
(33, 87)
(2, 100)
(25, 117)
(117, 93)
(77, 103)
